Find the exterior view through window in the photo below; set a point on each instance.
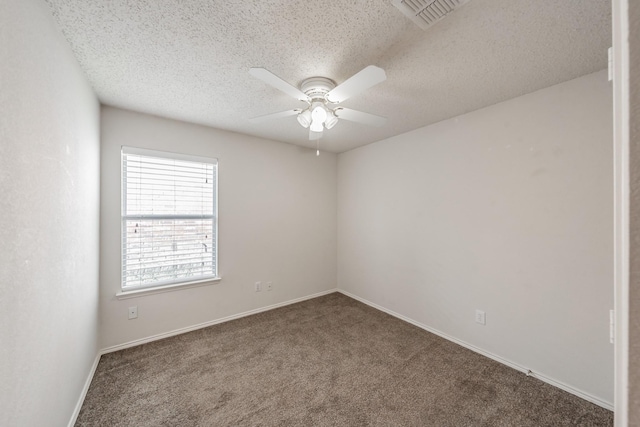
(169, 218)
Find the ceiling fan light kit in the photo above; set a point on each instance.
(304, 118)
(331, 120)
(318, 116)
(322, 94)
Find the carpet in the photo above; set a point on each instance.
(329, 361)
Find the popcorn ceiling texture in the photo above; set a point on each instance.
(189, 60)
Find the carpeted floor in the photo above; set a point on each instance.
(330, 361)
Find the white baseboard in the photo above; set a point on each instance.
(85, 389)
(210, 323)
(134, 343)
(559, 384)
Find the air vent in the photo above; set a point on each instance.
(426, 13)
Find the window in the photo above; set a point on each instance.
(169, 218)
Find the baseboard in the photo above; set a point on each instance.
(134, 343)
(551, 381)
(559, 384)
(163, 335)
(85, 389)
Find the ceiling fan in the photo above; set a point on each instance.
(323, 96)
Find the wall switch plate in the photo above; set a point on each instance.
(481, 317)
(258, 286)
(133, 312)
(269, 285)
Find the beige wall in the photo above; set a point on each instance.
(634, 279)
(507, 209)
(277, 222)
(49, 161)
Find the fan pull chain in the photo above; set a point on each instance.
(317, 147)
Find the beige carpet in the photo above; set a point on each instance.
(330, 361)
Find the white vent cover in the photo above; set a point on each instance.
(426, 13)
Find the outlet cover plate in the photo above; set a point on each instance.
(481, 317)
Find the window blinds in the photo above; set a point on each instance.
(169, 209)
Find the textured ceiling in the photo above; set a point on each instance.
(189, 60)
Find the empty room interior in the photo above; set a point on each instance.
(382, 212)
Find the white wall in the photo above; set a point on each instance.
(49, 148)
(277, 222)
(507, 209)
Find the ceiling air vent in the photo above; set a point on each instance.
(426, 13)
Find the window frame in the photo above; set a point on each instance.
(163, 285)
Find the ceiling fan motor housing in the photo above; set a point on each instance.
(316, 91)
(316, 88)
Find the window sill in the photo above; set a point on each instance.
(166, 288)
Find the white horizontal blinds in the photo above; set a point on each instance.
(168, 218)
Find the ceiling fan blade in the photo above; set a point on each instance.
(359, 82)
(360, 117)
(314, 135)
(269, 78)
(279, 115)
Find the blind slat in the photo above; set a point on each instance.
(168, 218)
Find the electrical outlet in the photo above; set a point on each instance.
(481, 317)
(133, 312)
(258, 286)
(269, 285)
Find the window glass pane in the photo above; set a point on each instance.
(167, 250)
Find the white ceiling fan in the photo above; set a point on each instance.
(323, 97)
